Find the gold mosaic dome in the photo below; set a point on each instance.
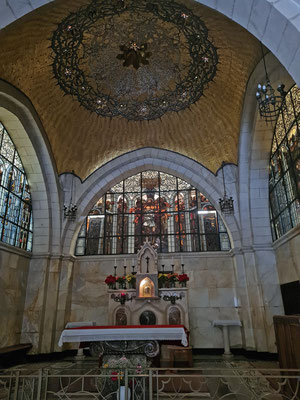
(206, 131)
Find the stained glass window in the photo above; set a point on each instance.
(15, 199)
(284, 169)
(168, 211)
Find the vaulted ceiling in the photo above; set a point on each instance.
(207, 131)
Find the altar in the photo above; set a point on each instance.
(146, 308)
(133, 339)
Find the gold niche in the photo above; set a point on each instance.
(146, 288)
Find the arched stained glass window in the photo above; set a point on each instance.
(168, 211)
(284, 170)
(15, 199)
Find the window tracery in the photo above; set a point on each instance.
(170, 212)
(284, 169)
(15, 198)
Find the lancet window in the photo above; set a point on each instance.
(15, 198)
(284, 169)
(170, 212)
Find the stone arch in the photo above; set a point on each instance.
(275, 24)
(88, 191)
(25, 129)
(254, 156)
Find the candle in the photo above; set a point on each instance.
(115, 261)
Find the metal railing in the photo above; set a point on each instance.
(154, 384)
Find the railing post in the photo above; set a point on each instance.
(126, 384)
(39, 388)
(46, 377)
(17, 385)
(150, 385)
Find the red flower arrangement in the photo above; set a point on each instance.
(121, 279)
(172, 278)
(110, 280)
(183, 278)
(114, 376)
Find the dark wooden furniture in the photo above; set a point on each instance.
(12, 354)
(176, 356)
(287, 331)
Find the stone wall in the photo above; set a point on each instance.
(14, 264)
(211, 292)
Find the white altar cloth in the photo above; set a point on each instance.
(109, 333)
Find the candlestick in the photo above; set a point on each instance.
(182, 268)
(163, 268)
(133, 273)
(172, 268)
(125, 276)
(115, 267)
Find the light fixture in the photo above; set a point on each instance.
(168, 58)
(269, 103)
(70, 210)
(122, 298)
(172, 298)
(226, 203)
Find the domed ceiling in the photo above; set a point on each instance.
(108, 77)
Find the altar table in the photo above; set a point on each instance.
(125, 333)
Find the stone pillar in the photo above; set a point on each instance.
(47, 334)
(259, 296)
(64, 301)
(48, 296)
(270, 292)
(34, 309)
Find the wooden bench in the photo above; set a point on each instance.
(12, 354)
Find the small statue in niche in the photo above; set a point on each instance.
(121, 317)
(147, 290)
(174, 316)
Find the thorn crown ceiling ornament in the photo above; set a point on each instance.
(134, 58)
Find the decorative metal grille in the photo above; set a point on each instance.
(284, 169)
(15, 199)
(178, 384)
(166, 64)
(170, 212)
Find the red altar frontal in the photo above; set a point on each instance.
(125, 339)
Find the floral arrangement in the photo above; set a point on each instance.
(173, 278)
(121, 279)
(162, 278)
(183, 278)
(110, 280)
(131, 278)
(114, 370)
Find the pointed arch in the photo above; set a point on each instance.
(89, 191)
